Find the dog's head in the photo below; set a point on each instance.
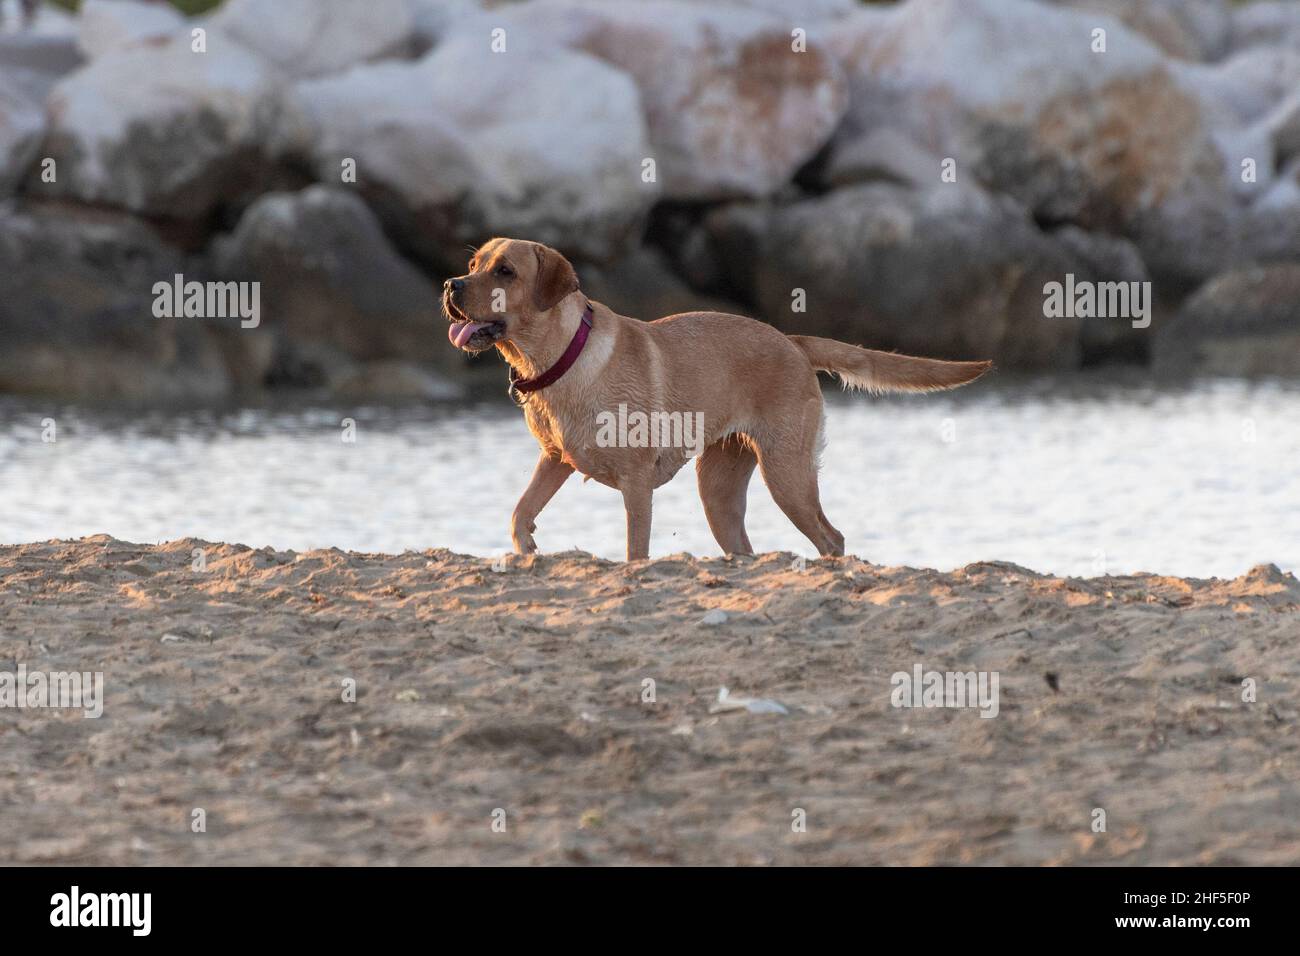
(510, 289)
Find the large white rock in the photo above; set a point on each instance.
(315, 37)
(1247, 101)
(797, 12)
(1244, 87)
(1266, 23)
(540, 143)
(1188, 29)
(434, 19)
(112, 24)
(1108, 140)
(159, 128)
(732, 109)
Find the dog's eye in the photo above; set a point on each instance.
(504, 270)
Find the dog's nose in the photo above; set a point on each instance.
(455, 285)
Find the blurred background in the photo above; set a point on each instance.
(900, 175)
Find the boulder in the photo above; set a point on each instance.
(38, 58)
(1243, 88)
(160, 129)
(1107, 141)
(391, 380)
(1245, 322)
(732, 109)
(1266, 23)
(77, 312)
(1105, 258)
(641, 284)
(1187, 29)
(947, 271)
(305, 38)
(466, 144)
(105, 25)
(434, 19)
(796, 12)
(883, 153)
(329, 277)
(30, 64)
(22, 128)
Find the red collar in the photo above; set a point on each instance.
(552, 374)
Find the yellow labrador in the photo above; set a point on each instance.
(628, 402)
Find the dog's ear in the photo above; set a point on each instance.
(555, 279)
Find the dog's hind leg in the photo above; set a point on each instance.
(723, 474)
(788, 461)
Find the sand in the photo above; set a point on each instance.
(500, 718)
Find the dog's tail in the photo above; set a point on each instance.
(879, 372)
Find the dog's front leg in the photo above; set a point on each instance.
(637, 498)
(549, 474)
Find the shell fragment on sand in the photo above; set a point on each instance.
(755, 705)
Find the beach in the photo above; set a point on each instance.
(270, 707)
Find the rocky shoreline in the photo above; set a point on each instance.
(909, 176)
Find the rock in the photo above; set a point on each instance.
(105, 25)
(641, 284)
(1243, 88)
(884, 153)
(434, 19)
(1245, 322)
(1106, 258)
(76, 312)
(249, 355)
(946, 272)
(1266, 23)
(1284, 194)
(389, 380)
(1269, 231)
(22, 128)
(1283, 128)
(30, 65)
(50, 21)
(467, 144)
(329, 276)
(305, 38)
(37, 61)
(1107, 141)
(1188, 29)
(1110, 256)
(732, 109)
(796, 12)
(1243, 104)
(160, 130)
(310, 365)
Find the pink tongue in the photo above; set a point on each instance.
(460, 332)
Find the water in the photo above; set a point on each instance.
(1080, 477)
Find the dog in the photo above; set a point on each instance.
(753, 391)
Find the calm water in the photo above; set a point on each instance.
(1069, 478)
